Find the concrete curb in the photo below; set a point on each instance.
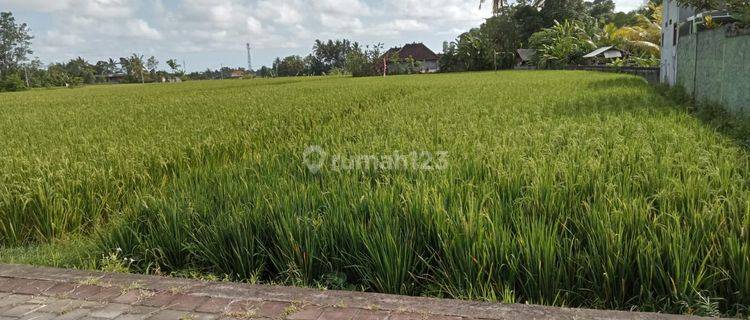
(225, 299)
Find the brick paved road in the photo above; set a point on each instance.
(46, 293)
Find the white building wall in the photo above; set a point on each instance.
(673, 16)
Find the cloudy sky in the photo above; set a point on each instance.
(211, 33)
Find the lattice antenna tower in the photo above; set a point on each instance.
(249, 58)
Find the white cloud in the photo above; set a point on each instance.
(407, 25)
(630, 5)
(55, 38)
(106, 8)
(140, 29)
(222, 15)
(254, 26)
(437, 10)
(82, 22)
(342, 7)
(340, 23)
(38, 5)
(280, 12)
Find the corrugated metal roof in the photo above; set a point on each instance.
(526, 54)
(597, 52)
(609, 54)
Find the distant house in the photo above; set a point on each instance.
(397, 59)
(113, 78)
(236, 74)
(606, 53)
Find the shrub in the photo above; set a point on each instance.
(12, 82)
(364, 62)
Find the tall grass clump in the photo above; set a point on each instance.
(561, 188)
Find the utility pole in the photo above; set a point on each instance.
(221, 72)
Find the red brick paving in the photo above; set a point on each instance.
(214, 305)
(45, 293)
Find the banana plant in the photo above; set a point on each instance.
(641, 39)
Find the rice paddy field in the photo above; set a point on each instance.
(559, 188)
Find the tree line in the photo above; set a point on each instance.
(561, 32)
(331, 57)
(17, 72)
(132, 69)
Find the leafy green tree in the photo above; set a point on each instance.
(289, 66)
(172, 63)
(601, 9)
(57, 75)
(264, 72)
(501, 37)
(362, 62)
(80, 68)
(621, 19)
(12, 82)
(450, 61)
(562, 10)
(333, 53)
(37, 74)
(15, 43)
(740, 10)
(313, 66)
(473, 51)
(152, 64)
(101, 68)
(528, 20)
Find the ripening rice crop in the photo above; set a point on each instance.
(561, 188)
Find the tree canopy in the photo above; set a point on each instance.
(15, 43)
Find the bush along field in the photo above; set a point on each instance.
(559, 188)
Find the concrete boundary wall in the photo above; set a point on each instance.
(650, 74)
(714, 67)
